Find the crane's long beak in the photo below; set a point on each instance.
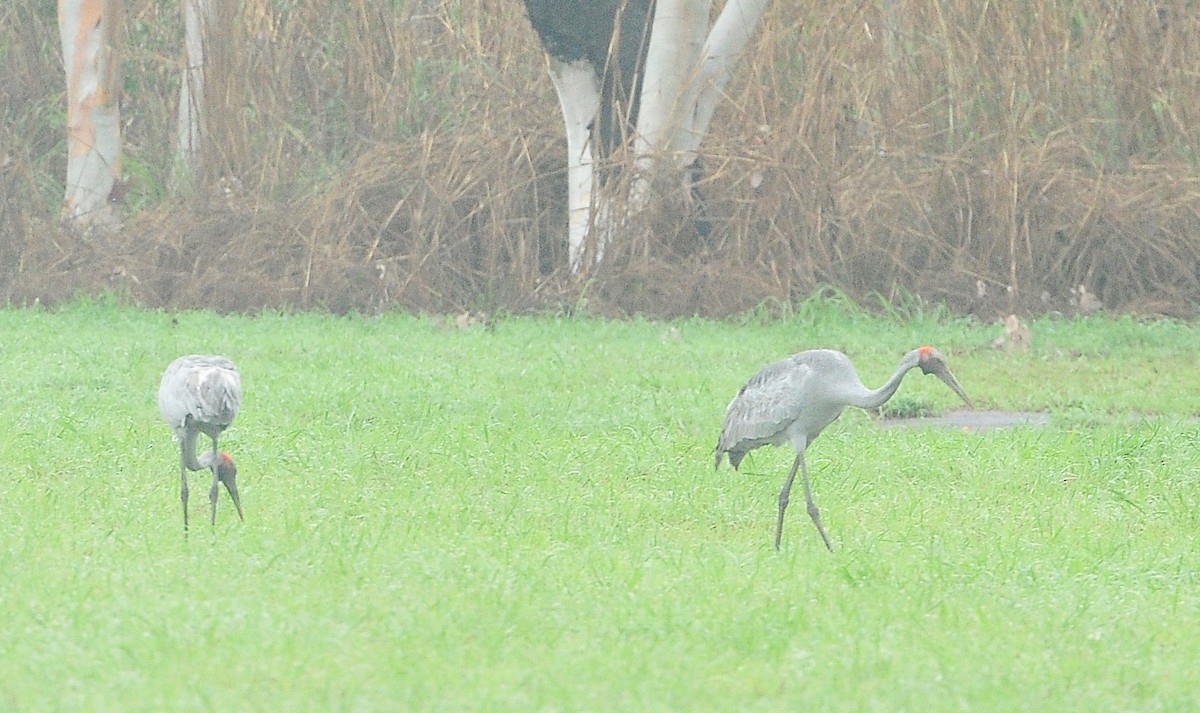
(231, 485)
(227, 474)
(944, 374)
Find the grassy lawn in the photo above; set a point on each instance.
(526, 518)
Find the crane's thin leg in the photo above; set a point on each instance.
(784, 495)
(183, 494)
(813, 512)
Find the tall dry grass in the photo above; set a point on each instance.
(366, 155)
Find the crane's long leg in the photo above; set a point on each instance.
(785, 495)
(183, 493)
(813, 512)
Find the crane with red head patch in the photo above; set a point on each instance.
(202, 394)
(793, 400)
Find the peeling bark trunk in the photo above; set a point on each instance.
(596, 49)
(189, 124)
(89, 30)
(686, 75)
(578, 91)
(724, 47)
(671, 66)
(683, 79)
(668, 90)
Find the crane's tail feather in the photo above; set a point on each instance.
(735, 458)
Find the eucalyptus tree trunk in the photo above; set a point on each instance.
(688, 66)
(579, 94)
(650, 69)
(90, 33)
(189, 124)
(597, 50)
(686, 74)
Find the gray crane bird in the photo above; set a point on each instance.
(202, 394)
(793, 400)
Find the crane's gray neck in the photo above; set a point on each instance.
(874, 398)
(188, 449)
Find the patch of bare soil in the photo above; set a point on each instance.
(972, 420)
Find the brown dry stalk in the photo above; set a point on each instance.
(364, 157)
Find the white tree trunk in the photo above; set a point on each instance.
(578, 92)
(669, 86)
(89, 30)
(686, 76)
(722, 50)
(189, 125)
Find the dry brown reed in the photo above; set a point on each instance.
(367, 155)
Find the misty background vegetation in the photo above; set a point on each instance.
(370, 155)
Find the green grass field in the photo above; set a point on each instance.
(526, 518)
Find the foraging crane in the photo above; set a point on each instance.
(202, 394)
(793, 400)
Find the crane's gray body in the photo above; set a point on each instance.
(790, 401)
(202, 394)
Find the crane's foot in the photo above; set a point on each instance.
(815, 514)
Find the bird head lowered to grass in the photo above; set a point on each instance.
(224, 471)
(931, 361)
(793, 400)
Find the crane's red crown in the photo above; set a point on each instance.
(227, 458)
(926, 351)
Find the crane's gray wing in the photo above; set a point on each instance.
(206, 388)
(764, 408)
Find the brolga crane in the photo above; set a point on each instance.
(202, 394)
(793, 400)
